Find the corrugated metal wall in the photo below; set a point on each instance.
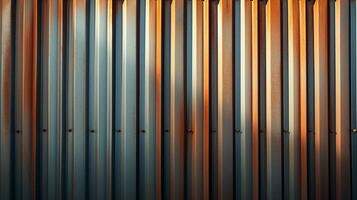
(178, 99)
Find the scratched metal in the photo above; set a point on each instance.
(178, 99)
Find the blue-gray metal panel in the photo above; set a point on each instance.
(129, 100)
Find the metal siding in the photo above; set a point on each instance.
(178, 99)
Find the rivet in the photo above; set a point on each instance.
(92, 131)
(286, 131)
(143, 131)
(237, 131)
(354, 130)
(18, 131)
(166, 131)
(69, 130)
(44, 130)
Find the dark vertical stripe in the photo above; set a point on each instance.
(310, 99)
(213, 99)
(262, 99)
(353, 107)
(332, 98)
(285, 98)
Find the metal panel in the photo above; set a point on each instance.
(178, 99)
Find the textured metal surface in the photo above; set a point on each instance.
(178, 99)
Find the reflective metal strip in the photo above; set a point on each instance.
(194, 76)
(321, 94)
(303, 138)
(177, 100)
(77, 97)
(294, 131)
(49, 131)
(6, 93)
(273, 100)
(206, 101)
(225, 100)
(244, 165)
(148, 91)
(142, 96)
(343, 176)
(129, 100)
(255, 100)
(158, 105)
(102, 125)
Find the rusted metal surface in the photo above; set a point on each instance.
(179, 99)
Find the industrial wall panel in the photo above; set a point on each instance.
(178, 99)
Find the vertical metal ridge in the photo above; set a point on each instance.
(255, 100)
(198, 98)
(303, 134)
(76, 100)
(129, 103)
(273, 100)
(159, 95)
(294, 129)
(225, 105)
(343, 174)
(142, 96)
(6, 91)
(48, 129)
(177, 65)
(320, 95)
(245, 95)
(206, 100)
(148, 127)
